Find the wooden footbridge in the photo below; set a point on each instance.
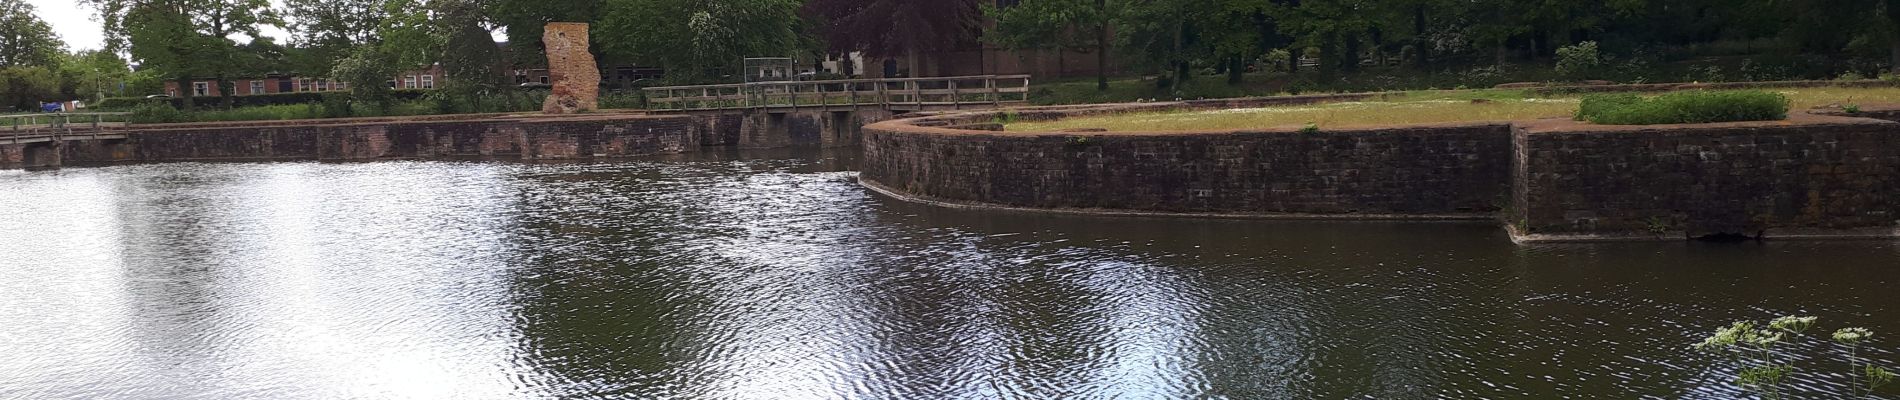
(907, 94)
(38, 128)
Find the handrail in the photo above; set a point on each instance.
(29, 128)
(935, 91)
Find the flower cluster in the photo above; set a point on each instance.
(1852, 335)
(1792, 324)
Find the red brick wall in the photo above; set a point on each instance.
(1809, 175)
(1374, 172)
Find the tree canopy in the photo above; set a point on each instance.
(703, 40)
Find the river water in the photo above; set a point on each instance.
(774, 275)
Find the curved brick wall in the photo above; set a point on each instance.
(1811, 176)
(1435, 171)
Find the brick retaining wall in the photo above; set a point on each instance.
(523, 138)
(1438, 171)
(1550, 180)
(1810, 175)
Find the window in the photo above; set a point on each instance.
(303, 85)
(409, 82)
(200, 88)
(428, 81)
(323, 85)
(257, 87)
(544, 79)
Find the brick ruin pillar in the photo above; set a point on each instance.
(571, 69)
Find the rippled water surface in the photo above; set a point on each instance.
(774, 275)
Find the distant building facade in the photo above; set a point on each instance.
(428, 78)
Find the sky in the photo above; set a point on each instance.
(75, 24)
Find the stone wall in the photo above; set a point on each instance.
(1424, 171)
(492, 136)
(1549, 180)
(1809, 176)
(519, 138)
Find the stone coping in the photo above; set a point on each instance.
(1562, 125)
(612, 114)
(1520, 237)
(441, 119)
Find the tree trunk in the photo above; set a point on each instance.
(1062, 63)
(1349, 53)
(1180, 62)
(1328, 55)
(1504, 51)
(910, 55)
(1236, 67)
(1421, 46)
(185, 93)
(225, 101)
(1293, 55)
(1894, 48)
(1101, 47)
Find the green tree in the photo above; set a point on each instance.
(700, 40)
(525, 20)
(1059, 25)
(329, 30)
(24, 87)
(24, 38)
(92, 75)
(895, 28)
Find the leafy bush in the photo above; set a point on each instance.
(1578, 60)
(1684, 108)
(156, 113)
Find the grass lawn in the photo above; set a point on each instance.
(1412, 108)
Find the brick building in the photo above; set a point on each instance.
(427, 78)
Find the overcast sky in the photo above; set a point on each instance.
(75, 24)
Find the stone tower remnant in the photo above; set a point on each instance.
(571, 69)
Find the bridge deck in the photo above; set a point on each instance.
(917, 94)
(37, 128)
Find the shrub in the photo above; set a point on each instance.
(123, 103)
(1684, 108)
(156, 113)
(1578, 60)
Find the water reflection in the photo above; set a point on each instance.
(734, 276)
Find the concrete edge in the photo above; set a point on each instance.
(1519, 237)
(970, 205)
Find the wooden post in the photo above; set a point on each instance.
(996, 99)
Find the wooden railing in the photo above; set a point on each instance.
(25, 128)
(946, 92)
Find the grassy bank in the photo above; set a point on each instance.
(1479, 75)
(1411, 108)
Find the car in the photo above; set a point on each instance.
(535, 85)
(159, 96)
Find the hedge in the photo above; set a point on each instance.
(1693, 107)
